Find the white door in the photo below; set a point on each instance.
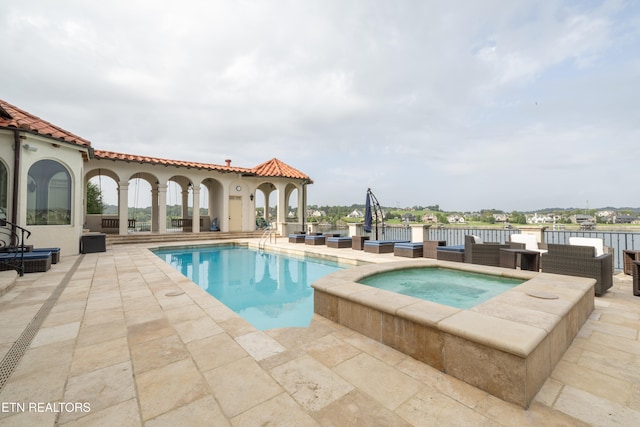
(235, 213)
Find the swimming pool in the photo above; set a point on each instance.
(268, 290)
(455, 288)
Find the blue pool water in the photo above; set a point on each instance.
(268, 290)
(454, 288)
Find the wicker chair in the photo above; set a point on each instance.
(574, 260)
(487, 253)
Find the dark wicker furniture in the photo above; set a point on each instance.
(529, 260)
(574, 260)
(628, 258)
(314, 240)
(297, 238)
(429, 248)
(487, 253)
(450, 253)
(381, 246)
(635, 270)
(408, 250)
(33, 262)
(357, 242)
(339, 242)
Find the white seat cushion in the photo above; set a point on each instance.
(588, 241)
(530, 242)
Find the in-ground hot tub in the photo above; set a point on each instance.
(507, 346)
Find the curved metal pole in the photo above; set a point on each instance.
(376, 209)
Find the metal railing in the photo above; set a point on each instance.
(455, 236)
(269, 235)
(12, 242)
(390, 232)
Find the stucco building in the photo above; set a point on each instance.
(44, 171)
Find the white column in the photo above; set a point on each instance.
(162, 209)
(302, 209)
(155, 209)
(282, 208)
(266, 206)
(123, 208)
(185, 204)
(196, 209)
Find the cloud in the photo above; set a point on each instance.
(450, 103)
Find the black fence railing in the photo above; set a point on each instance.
(12, 246)
(455, 236)
(389, 232)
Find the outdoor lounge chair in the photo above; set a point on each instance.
(381, 246)
(297, 238)
(34, 262)
(55, 252)
(408, 250)
(478, 252)
(453, 253)
(314, 240)
(582, 261)
(339, 242)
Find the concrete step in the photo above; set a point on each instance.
(7, 280)
(116, 239)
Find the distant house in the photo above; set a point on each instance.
(316, 213)
(501, 217)
(541, 218)
(455, 219)
(355, 214)
(408, 217)
(429, 218)
(624, 219)
(582, 218)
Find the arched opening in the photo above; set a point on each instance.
(214, 202)
(139, 198)
(48, 194)
(4, 190)
(108, 188)
(179, 204)
(292, 205)
(266, 204)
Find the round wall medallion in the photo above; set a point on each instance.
(238, 188)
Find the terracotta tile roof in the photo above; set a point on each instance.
(132, 158)
(14, 117)
(277, 168)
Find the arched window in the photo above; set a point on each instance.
(4, 188)
(48, 194)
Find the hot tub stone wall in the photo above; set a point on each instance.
(507, 346)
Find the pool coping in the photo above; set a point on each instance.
(507, 345)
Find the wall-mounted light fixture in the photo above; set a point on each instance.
(251, 197)
(30, 147)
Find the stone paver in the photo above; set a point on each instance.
(124, 340)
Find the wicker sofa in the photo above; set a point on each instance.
(582, 261)
(485, 253)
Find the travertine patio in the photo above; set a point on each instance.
(120, 339)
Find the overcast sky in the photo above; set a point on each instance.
(505, 104)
